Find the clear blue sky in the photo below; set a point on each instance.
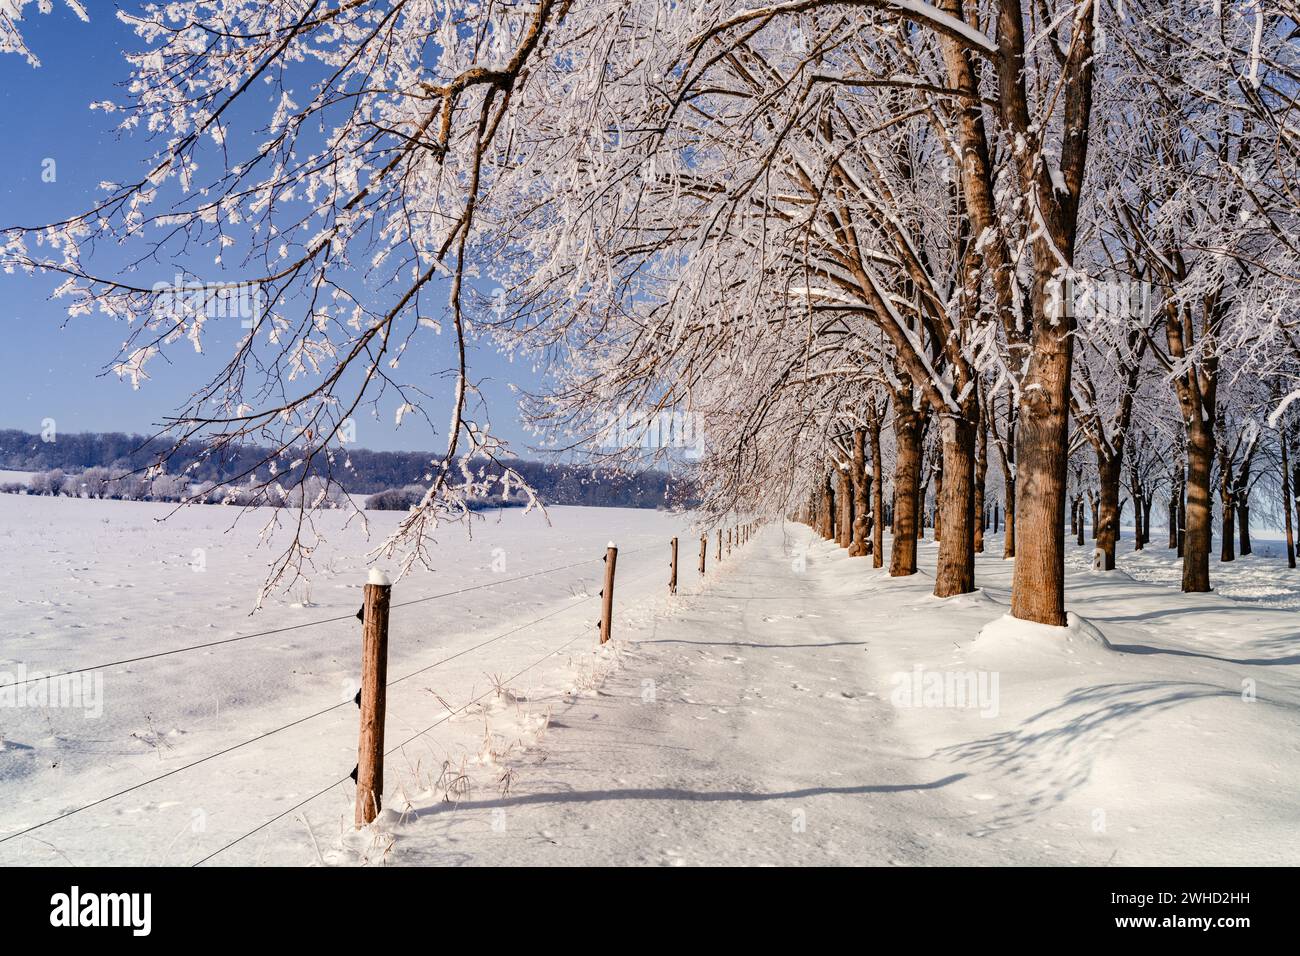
(55, 368)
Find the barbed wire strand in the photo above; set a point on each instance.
(294, 723)
(294, 627)
(388, 753)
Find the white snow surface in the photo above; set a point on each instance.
(777, 712)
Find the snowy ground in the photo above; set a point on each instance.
(762, 722)
(1258, 578)
(91, 582)
(763, 716)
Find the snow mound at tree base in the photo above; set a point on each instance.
(1010, 636)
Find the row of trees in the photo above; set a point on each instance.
(1056, 233)
(1255, 477)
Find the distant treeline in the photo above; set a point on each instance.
(394, 473)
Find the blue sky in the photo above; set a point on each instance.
(56, 368)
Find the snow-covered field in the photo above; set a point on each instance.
(794, 707)
(91, 582)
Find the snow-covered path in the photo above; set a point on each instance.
(754, 724)
(740, 729)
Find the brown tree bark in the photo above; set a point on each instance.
(955, 488)
(877, 496)
(1009, 520)
(1108, 509)
(1241, 496)
(1139, 506)
(861, 494)
(907, 481)
(1228, 514)
(1196, 541)
(1042, 453)
(981, 476)
(938, 488)
(1286, 504)
(827, 523)
(1182, 517)
(844, 529)
(1175, 495)
(1243, 527)
(922, 487)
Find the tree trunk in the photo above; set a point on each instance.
(845, 528)
(907, 481)
(956, 515)
(1146, 518)
(1139, 529)
(1227, 551)
(922, 489)
(1078, 520)
(861, 494)
(996, 517)
(1042, 457)
(877, 498)
(938, 487)
(1174, 495)
(981, 476)
(1009, 520)
(1108, 509)
(1196, 544)
(1243, 525)
(1182, 518)
(1286, 505)
(827, 522)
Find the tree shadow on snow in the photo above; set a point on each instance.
(688, 796)
(1052, 753)
(766, 647)
(1178, 652)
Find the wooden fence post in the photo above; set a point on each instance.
(374, 681)
(672, 577)
(704, 551)
(607, 593)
